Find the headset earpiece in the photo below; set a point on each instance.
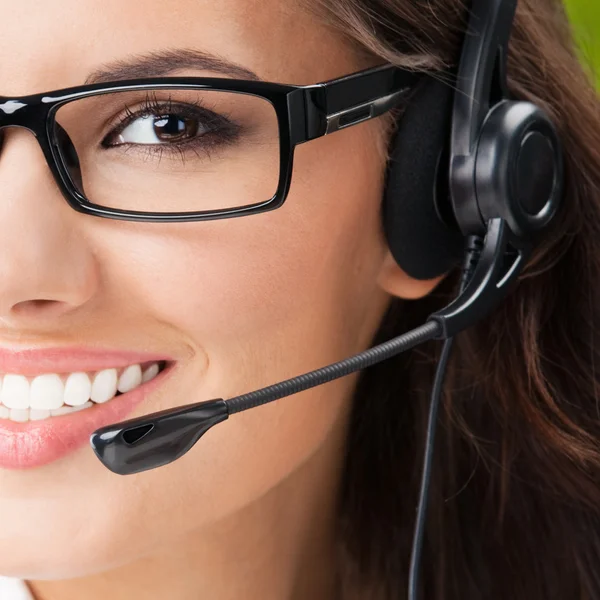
(421, 243)
(465, 154)
(518, 168)
(505, 156)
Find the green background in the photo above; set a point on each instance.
(585, 17)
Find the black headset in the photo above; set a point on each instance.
(500, 158)
(469, 168)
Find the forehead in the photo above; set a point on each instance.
(57, 43)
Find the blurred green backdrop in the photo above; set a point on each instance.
(585, 17)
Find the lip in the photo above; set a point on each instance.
(36, 361)
(38, 443)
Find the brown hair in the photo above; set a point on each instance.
(514, 507)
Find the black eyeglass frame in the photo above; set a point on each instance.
(304, 113)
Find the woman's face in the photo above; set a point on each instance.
(236, 304)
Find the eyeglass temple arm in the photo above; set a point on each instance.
(355, 98)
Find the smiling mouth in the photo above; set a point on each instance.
(50, 395)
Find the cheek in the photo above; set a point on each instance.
(261, 298)
(225, 283)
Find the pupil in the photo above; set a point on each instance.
(171, 127)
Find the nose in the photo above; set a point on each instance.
(47, 270)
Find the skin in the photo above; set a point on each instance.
(239, 304)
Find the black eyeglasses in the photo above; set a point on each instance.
(177, 149)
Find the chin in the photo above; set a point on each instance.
(61, 549)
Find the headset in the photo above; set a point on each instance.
(472, 173)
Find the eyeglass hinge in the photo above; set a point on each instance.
(315, 102)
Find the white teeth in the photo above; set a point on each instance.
(78, 389)
(104, 386)
(38, 415)
(150, 373)
(47, 392)
(20, 415)
(15, 391)
(65, 410)
(51, 395)
(130, 378)
(88, 404)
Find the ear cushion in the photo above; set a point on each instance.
(422, 245)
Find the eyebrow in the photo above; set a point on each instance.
(161, 63)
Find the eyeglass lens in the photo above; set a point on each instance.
(170, 150)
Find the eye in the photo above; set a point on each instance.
(158, 126)
(159, 129)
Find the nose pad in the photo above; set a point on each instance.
(68, 155)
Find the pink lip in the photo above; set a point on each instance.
(35, 361)
(37, 443)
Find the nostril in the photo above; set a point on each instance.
(38, 303)
(28, 307)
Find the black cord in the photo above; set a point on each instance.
(474, 245)
(429, 331)
(436, 393)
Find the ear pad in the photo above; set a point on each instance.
(421, 243)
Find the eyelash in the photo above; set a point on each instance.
(221, 129)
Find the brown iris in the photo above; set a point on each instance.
(170, 128)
